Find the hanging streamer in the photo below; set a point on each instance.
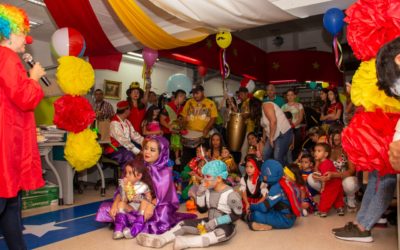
(146, 73)
(227, 69)
(223, 65)
(337, 48)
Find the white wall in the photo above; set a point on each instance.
(40, 52)
(131, 70)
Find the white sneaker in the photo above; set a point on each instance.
(127, 233)
(304, 212)
(351, 203)
(150, 240)
(118, 235)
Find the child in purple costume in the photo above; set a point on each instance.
(164, 214)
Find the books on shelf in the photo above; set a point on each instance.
(50, 134)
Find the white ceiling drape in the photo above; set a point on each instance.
(225, 14)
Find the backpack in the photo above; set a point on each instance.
(293, 194)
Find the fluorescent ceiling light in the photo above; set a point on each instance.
(135, 54)
(292, 4)
(37, 2)
(34, 23)
(132, 57)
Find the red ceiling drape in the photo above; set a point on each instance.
(302, 65)
(247, 59)
(242, 57)
(78, 14)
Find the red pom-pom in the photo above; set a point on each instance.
(366, 140)
(73, 113)
(371, 24)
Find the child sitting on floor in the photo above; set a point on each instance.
(135, 191)
(307, 202)
(234, 175)
(253, 190)
(191, 173)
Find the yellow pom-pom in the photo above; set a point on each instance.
(82, 151)
(74, 75)
(365, 92)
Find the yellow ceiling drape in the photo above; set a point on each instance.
(144, 29)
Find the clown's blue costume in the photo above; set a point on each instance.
(275, 211)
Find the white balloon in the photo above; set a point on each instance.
(251, 86)
(59, 42)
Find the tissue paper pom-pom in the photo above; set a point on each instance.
(82, 151)
(365, 92)
(371, 24)
(74, 75)
(366, 140)
(73, 113)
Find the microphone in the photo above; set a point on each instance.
(29, 60)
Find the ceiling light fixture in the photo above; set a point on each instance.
(132, 57)
(135, 54)
(37, 2)
(34, 23)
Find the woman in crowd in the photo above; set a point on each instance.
(333, 112)
(277, 132)
(297, 111)
(216, 144)
(162, 214)
(226, 107)
(137, 99)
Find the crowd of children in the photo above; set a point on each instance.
(316, 177)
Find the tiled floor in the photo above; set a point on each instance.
(309, 232)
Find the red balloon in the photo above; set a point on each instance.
(202, 70)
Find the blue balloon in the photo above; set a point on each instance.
(179, 81)
(333, 20)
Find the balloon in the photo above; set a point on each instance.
(325, 85)
(259, 94)
(313, 85)
(251, 86)
(179, 81)
(224, 39)
(202, 70)
(149, 56)
(333, 20)
(67, 42)
(248, 83)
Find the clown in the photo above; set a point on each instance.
(275, 211)
(19, 95)
(224, 207)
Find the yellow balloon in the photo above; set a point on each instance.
(259, 94)
(224, 39)
(325, 85)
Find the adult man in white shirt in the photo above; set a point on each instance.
(125, 141)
